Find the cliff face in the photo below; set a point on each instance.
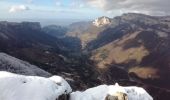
(30, 25)
(102, 21)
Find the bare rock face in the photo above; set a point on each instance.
(63, 97)
(117, 96)
(102, 21)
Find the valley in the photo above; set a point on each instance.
(131, 49)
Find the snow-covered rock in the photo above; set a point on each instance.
(111, 92)
(14, 65)
(20, 87)
(137, 93)
(102, 21)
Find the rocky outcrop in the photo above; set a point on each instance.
(102, 21)
(12, 64)
(111, 92)
(20, 87)
(117, 96)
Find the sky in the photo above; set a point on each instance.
(79, 9)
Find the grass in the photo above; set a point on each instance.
(145, 72)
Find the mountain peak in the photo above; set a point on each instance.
(101, 21)
(32, 25)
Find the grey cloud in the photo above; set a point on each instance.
(155, 7)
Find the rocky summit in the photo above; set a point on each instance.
(102, 21)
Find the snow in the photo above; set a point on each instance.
(101, 21)
(20, 87)
(137, 93)
(102, 91)
(96, 93)
(11, 64)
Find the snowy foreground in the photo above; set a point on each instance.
(20, 87)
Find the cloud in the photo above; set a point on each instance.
(154, 7)
(29, 1)
(18, 8)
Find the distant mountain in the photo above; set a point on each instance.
(28, 42)
(102, 21)
(25, 34)
(11, 64)
(85, 31)
(62, 56)
(56, 31)
(72, 43)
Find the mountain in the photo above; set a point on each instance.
(56, 31)
(25, 34)
(138, 44)
(132, 49)
(28, 41)
(85, 31)
(62, 56)
(12, 64)
(72, 43)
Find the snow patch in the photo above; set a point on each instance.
(162, 34)
(137, 93)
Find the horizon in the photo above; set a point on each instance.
(64, 22)
(46, 22)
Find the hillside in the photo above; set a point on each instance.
(12, 64)
(139, 44)
(28, 41)
(131, 47)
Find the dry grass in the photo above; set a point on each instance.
(87, 37)
(145, 72)
(118, 55)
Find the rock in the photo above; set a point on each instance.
(102, 21)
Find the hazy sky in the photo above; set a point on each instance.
(79, 9)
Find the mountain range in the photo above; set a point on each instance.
(129, 49)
